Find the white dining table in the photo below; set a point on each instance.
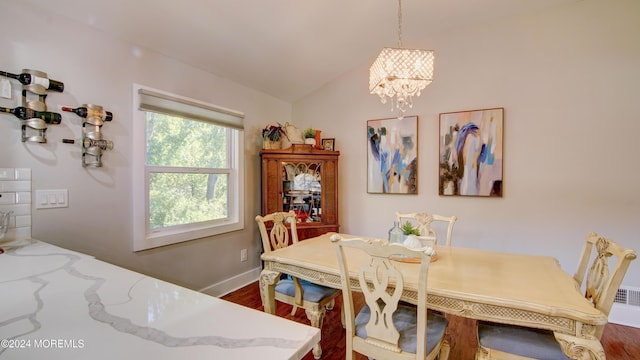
(517, 289)
(60, 304)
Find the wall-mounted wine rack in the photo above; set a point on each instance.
(33, 114)
(92, 143)
(35, 119)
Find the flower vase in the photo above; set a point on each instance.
(318, 142)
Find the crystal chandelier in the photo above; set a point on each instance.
(400, 74)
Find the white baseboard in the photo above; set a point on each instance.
(622, 314)
(224, 287)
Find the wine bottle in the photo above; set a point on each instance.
(24, 113)
(90, 111)
(87, 143)
(27, 79)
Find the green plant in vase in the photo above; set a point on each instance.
(309, 136)
(309, 133)
(409, 235)
(409, 229)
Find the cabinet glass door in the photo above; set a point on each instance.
(302, 190)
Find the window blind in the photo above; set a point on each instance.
(190, 109)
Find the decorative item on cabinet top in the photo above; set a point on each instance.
(277, 136)
(294, 134)
(329, 144)
(310, 136)
(272, 136)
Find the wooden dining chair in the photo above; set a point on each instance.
(499, 341)
(425, 221)
(313, 298)
(385, 328)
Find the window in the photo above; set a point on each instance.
(187, 169)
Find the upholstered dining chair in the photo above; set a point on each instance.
(314, 299)
(498, 341)
(385, 328)
(425, 221)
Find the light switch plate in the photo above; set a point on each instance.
(54, 198)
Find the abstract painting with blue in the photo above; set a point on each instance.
(471, 153)
(392, 150)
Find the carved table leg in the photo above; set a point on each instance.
(579, 348)
(268, 280)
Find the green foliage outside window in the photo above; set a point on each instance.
(185, 190)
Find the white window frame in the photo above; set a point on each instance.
(172, 104)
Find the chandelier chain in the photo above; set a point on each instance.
(400, 23)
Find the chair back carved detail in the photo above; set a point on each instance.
(602, 281)
(279, 235)
(382, 284)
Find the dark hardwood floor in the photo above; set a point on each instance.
(620, 342)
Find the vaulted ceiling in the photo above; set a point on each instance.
(286, 48)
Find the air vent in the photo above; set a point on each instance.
(628, 296)
(634, 298)
(621, 296)
(626, 307)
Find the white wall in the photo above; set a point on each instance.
(99, 69)
(568, 80)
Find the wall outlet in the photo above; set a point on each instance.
(243, 255)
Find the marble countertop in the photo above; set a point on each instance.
(60, 304)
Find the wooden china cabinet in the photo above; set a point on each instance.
(303, 179)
